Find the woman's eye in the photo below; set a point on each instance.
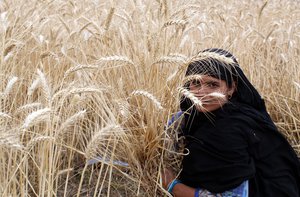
(212, 85)
(196, 83)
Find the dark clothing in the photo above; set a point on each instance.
(237, 142)
(234, 144)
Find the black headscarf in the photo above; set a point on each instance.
(237, 142)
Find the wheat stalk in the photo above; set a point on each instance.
(149, 96)
(262, 8)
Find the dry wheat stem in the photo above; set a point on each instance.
(81, 44)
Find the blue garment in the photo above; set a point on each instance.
(240, 191)
(174, 118)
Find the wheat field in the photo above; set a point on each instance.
(91, 80)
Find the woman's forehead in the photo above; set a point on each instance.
(210, 78)
(203, 78)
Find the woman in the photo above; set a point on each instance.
(234, 147)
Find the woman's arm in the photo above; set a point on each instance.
(180, 189)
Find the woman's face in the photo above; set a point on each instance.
(207, 85)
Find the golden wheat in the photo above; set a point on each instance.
(73, 69)
(36, 116)
(149, 96)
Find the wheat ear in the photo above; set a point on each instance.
(192, 77)
(79, 67)
(10, 85)
(33, 86)
(191, 96)
(115, 58)
(109, 18)
(181, 23)
(66, 92)
(213, 55)
(29, 107)
(6, 142)
(216, 94)
(97, 138)
(45, 87)
(5, 115)
(38, 115)
(36, 140)
(149, 96)
(71, 120)
(170, 60)
(297, 85)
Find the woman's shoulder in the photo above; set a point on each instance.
(233, 115)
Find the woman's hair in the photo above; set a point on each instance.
(214, 62)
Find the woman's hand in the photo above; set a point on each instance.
(167, 176)
(180, 190)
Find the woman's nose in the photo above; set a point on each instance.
(202, 90)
